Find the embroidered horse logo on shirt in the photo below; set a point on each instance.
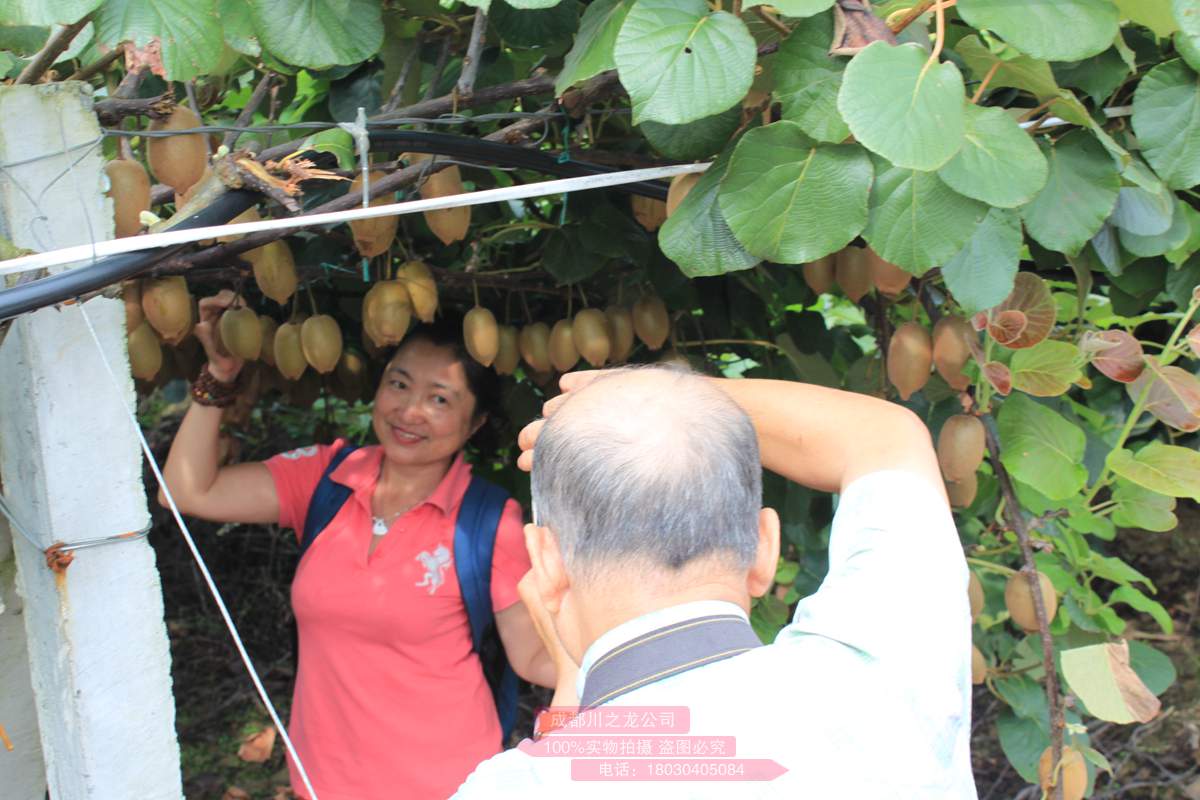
(435, 564)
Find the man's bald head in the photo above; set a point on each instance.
(650, 466)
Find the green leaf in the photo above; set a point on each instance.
(680, 62)
(1014, 70)
(1187, 14)
(568, 258)
(592, 52)
(534, 26)
(237, 26)
(1047, 369)
(1152, 666)
(696, 236)
(1154, 14)
(903, 108)
(319, 33)
(1177, 233)
(807, 80)
(1190, 245)
(1099, 76)
(1101, 677)
(336, 141)
(999, 163)
(981, 274)
(1022, 741)
(1188, 48)
(789, 199)
(531, 5)
(916, 220)
(1164, 468)
(1166, 118)
(45, 12)
(1139, 507)
(1063, 30)
(191, 41)
(1041, 448)
(1132, 596)
(794, 8)
(1080, 193)
(694, 140)
(23, 40)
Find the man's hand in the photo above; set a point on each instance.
(571, 382)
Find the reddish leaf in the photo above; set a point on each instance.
(1194, 340)
(257, 747)
(998, 376)
(1115, 353)
(979, 321)
(149, 56)
(1006, 327)
(1031, 297)
(1174, 396)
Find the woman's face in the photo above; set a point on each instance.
(424, 411)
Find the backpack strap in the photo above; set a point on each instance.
(328, 498)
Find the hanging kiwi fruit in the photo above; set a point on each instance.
(145, 352)
(387, 312)
(680, 186)
(975, 596)
(131, 294)
(373, 236)
(1073, 776)
(177, 161)
(249, 215)
(819, 274)
(951, 350)
(852, 271)
(422, 289)
(650, 213)
(321, 343)
(962, 492)
(289, 352)
(509, 354)
(534, 343)
(129, 188)
(350, 376)
(961, 444)
(978, 666)
(651, 322)
(241, 333)
(909, 358)
(1018, 598)
(620, 333)
(274, 270)
(448, 224)
(167, 305)
(563, 353)
(590, 334)
(481, 335)
(887, 278)
(268, 327)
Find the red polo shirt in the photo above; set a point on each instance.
(390, 701)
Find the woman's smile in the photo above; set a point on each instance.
(405, 437)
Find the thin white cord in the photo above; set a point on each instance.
(129, 244)
(208, 579)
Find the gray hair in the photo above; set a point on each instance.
(658, 475)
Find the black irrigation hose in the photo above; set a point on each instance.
(106, 271)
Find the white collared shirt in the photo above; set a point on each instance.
(866, 694)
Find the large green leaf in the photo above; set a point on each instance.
(1187, 14)
(527, 5)
(1062, 30)
(694, 140)
(191, 40)
(1099, 76)
(45, 12)
(1101, 677)
(790, 199)
(592, 52)
(1175, 236)
(532, 26)
(999, 163)
(1080, 193)
(1022, 740)
(679, 61)
(1153, 666)
(1047, 369)
(902, 107)
(807, 80)
(980, 275)
(696, 236)
(237, 26)
(319, 33)
(1164, 468)
(1041, 448)
(568, 257)
(1014, 69)
(916, 220)
(1166, 118)
(1146, 211)
(794, 8)
(1135, 597)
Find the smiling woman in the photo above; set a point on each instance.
(390, 691)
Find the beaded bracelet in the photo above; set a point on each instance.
(208, 391)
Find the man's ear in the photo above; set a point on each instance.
(547, 564)
(766, 558)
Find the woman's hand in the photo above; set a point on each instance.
(571, 382)
(565, 667)
(221, 365)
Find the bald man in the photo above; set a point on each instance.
(648, 543)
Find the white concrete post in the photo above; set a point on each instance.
(21, 772)
(72, 470)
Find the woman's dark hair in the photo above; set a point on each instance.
(483, 382)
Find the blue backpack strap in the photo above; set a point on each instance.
(474, 543)
(327, 500)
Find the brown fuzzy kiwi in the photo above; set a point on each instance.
(975, 596)
(241, 333)
(909, 358)
(178, 161)
(373, 236)
(620, 333)
(1073, 775)
(534, 343)
(1019, 600)
(249, 215)
(563, 353)
(509, 354)
(129, 188)
(289, 353)
(819, 274)
(321, 341)
(167, 305)
(350, 376)
(951, 350)
(145, 352)
(962, 493)
(651, 322)
(387, 311)
(481, 335)
(853, 272)
(274, 270)
(131, 293)
(649, 212)
(680, 186)
(268, 327)
(590, 334)
(978, 666)
(448, 224)
(422, 289)
(887, 278)
(960, 446)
